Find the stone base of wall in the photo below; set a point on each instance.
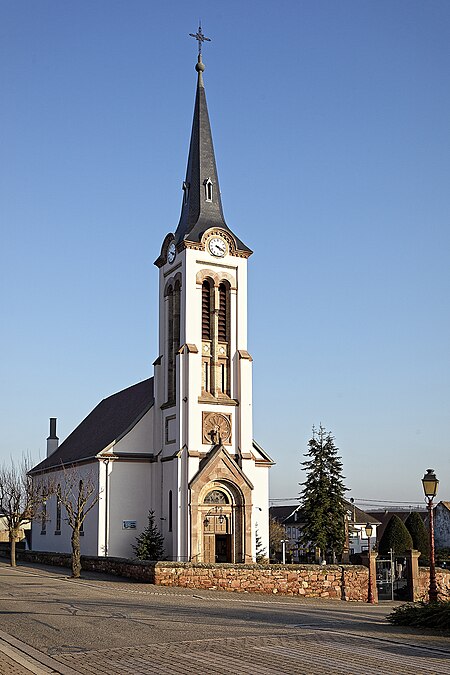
(442, 582)
(337, 582)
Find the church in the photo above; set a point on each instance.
(181, 442)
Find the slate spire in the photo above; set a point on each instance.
(202, 205)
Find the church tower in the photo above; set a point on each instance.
(210, 477)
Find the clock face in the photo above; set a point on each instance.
(171, 252)
(217, 247)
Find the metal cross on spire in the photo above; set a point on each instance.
(200, 38)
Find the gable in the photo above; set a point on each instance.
(110, 420)
(218, 465)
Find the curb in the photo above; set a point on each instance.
(32, 659)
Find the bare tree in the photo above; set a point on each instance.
(21, 498)
(78, 494)
(277, 532)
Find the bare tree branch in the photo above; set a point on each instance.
(78, 493)
(22, 498)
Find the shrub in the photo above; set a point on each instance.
(150, 544)
(395, 537)
(428, 615)
(416, 527)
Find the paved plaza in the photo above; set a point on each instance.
(52, 624)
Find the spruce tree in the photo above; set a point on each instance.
(416, 528)
(260, 556)
(150, 544)
(395, 537)
(322, 497)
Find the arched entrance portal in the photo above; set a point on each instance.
(219, 526)
(220, 511)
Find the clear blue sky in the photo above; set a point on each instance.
(331, 123)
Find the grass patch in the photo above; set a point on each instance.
(422, 614)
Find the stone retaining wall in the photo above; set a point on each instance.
(442, 581)
(338, 582)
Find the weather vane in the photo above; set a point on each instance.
(200, 38)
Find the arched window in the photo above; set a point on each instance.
(223, 335)
(170, 510)
(170, 354)
(81, 498)
(207, 302)
(216, 338)
(223, 313)
(44, 513)
(58, 509)
(206, 310)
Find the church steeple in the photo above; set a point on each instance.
(202, 204)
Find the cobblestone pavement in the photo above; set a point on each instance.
(11, 667)
(311, 652)
(112, 626)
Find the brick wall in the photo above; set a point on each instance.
(338, 582)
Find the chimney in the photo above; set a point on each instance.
(52, 440)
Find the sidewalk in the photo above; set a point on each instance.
(18, 658)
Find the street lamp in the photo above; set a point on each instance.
(430, 485)
(370, 598)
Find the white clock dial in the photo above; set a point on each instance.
(171, 252)
(217, 247)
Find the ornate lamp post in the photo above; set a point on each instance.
(370, 598)
(430, 485)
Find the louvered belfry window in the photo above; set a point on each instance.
(223, 312)
(170, 356)
(206, 310)
(173, 337)
(216, 338)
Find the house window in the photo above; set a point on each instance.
(170, 510)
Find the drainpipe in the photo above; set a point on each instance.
(106, 463)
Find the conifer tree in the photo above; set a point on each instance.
(260, 556)
(416, 528)
(150, 544)
(395, 537)
(322, 497)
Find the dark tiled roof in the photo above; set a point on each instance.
(110, 420)
(287, 514)
(359, 516)
(281, 513)
(199, 214)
